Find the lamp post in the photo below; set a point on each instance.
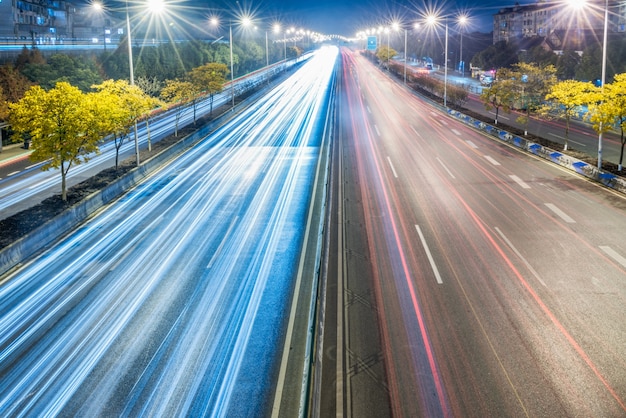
(232, 76)
(579, 5)
(132, 76)
(445, 70)
(462, 21)
(606, 22)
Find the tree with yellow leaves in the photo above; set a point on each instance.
(565, 100)
(59, 124)
(177, 93)
(209, 79)
(608, 110)
(124, 104)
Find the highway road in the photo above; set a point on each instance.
(465, 278)
(175, 300)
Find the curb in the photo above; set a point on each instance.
(587, 170)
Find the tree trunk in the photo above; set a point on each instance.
(63, 189)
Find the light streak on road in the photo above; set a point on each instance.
(171, 301)
(27, 187)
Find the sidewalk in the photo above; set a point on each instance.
(12, 153)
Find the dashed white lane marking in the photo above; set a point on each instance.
(560, 213)
(510, 244)
(614, 254)
(491, 160)
(519, 181)
(429, 255)
(392, 168)
(446, 168)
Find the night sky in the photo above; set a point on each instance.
(340, 17)
(346, 17)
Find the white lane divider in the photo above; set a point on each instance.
(446, 168)
(471, 144)
(613, 254)
(369, 110)
(457, 133)
(416, 133)
(510, 244)
(377, 131)
(392, 168)
(519, 181)
(491, 160)
(429, 255)
(560, 213)
(13, 173)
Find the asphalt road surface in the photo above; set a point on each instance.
(466, 278)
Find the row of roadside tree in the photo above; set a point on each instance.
(65, 126)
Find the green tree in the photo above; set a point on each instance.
(500, 55)
(209, 79)
(501, 93)
(57, 122)
(565, 99)
(566, 65)
(76, 70)
(532, 83)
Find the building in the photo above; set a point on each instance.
(37, 21)
(49, 22)
(544, 17)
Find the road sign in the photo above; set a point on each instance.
(372, 43)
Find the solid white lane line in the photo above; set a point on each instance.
(510, 244)
(569, 140)
(446, 168)
(491, 160)
(471, 144)
(560, 213)
(613, 254)
(377, 131)
(457, 133)
(499, 116)
(392, 167)
(429, 255)
(519, 181)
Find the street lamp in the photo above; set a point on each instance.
(416, 26)
(606, 22)
(245, 21)
(579, 5)
(432, 20)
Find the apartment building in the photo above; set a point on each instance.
(544, 17)
(43, 22)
